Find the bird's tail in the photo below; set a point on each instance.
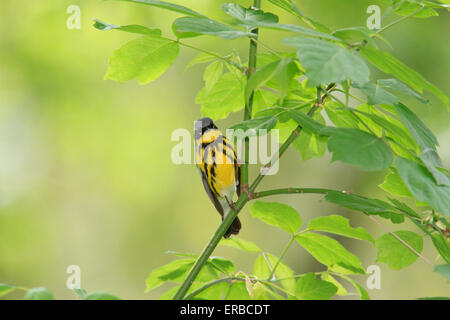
(234, 228)
(236, 225)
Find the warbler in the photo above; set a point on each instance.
(219, 168)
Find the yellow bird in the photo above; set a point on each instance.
(219, 169)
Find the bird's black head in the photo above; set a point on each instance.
(202, 125)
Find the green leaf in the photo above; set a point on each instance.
(340, 116)
(262, 270)
(426, 141)
(212, 74)
(38, 294)
(441, 246)
(290, 7)
(326, 62)
(6, 288)
(277, 214)
(181, 254)
(283, 70)
(376, 94)
(361, 291)
(199, 59)
(369, 206)
(391, 65)
(392, 127)
(168, 6)
(420, 132)
(297, 29)
(285, 129)
(252, 127)
(191, 27)
(225, 97)
(354, 34)
(394, 185)
(330, 253)
(263, 99)
(309, 287)
(394, 253)
(432, 4)
(222, 264)
(443, 269)
(214, 292)
(400, 87)
(248, 16)
(407, 8)
(422, 185)
(240, 243)
(144, 59)
(100, 296)
(404, 208)
(171, 271)
(339, 225)
(311, 145)
(285, 76)
(306, 121)
(130, 28)
(341, 291)
(431, 160)
(358, 148)
(260, 77)
(238, 291)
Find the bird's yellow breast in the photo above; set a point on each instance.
(216, 159)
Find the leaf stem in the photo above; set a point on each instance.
(288, 245)
(208, 52)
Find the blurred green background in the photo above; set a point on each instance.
(86, 176)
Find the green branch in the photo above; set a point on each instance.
(273, 192)
(249, 105)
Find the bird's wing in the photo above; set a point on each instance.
(237, 172)
(210, 194)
